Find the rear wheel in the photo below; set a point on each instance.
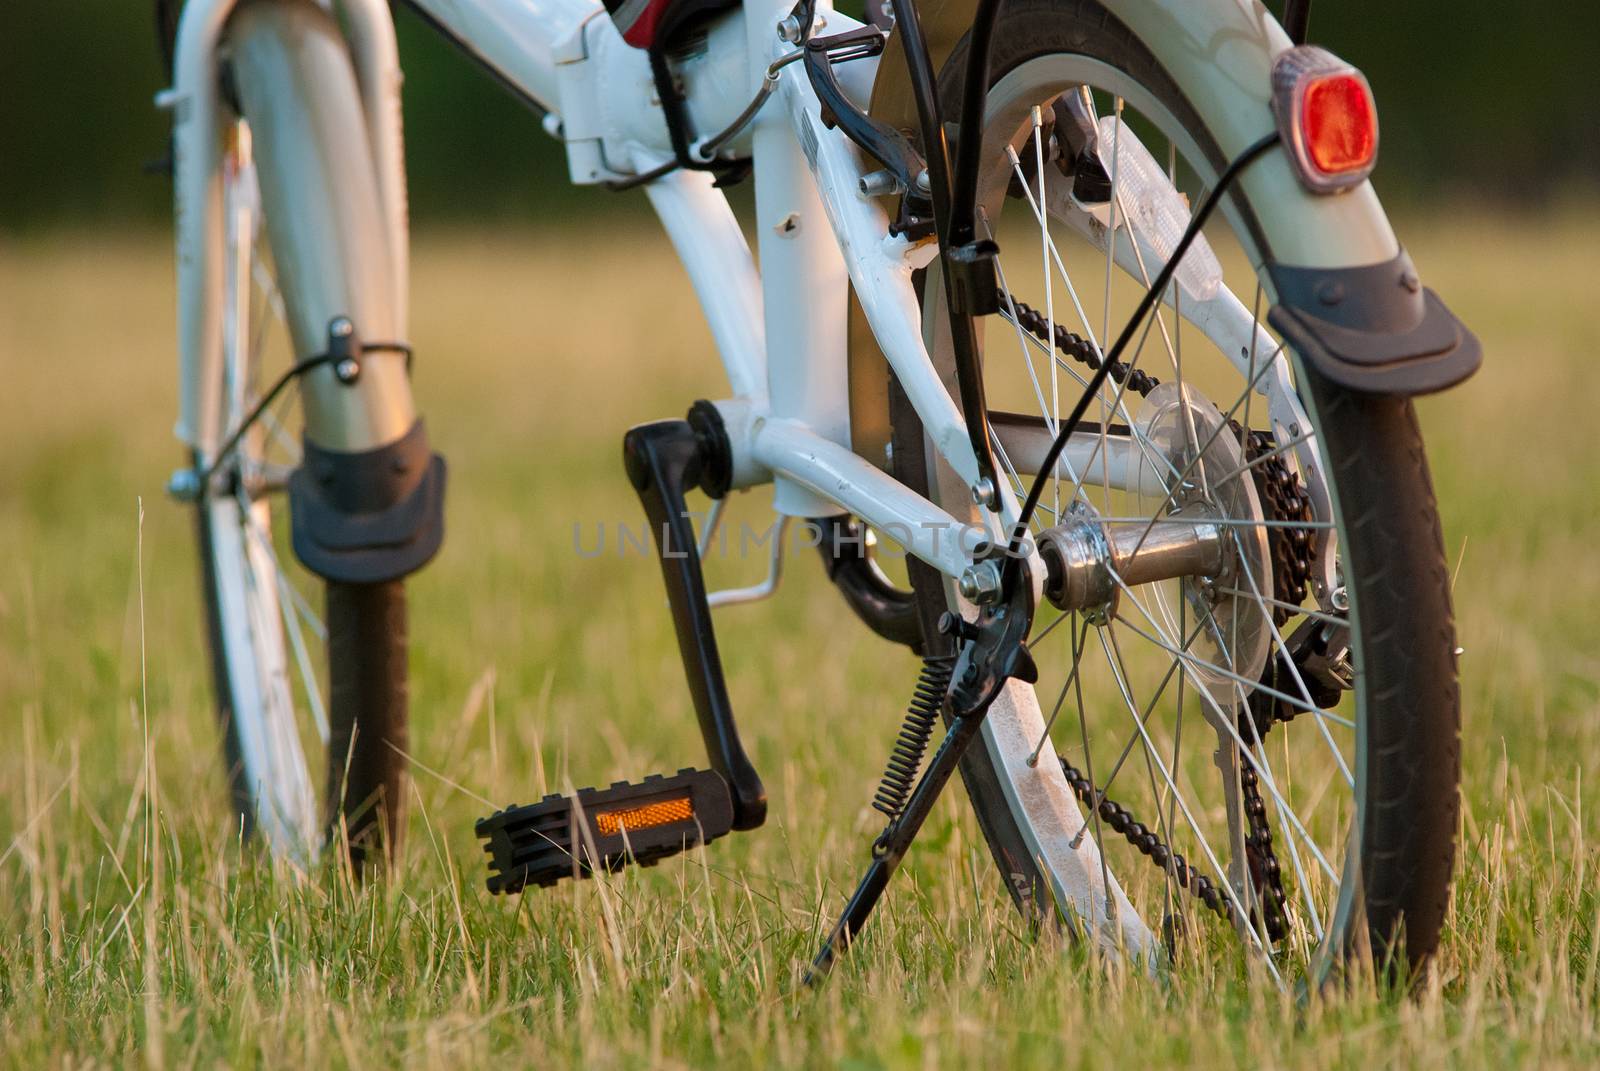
(281, 709)
(1227, 772)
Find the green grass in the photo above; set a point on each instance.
(135, 924)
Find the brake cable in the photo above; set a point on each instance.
(705, 150)
(344, 352)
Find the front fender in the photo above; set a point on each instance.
(1221, 52)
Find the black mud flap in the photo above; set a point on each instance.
(367, 517)
(1374, 329)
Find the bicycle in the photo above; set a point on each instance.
(1177, 512)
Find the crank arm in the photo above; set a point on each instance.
(664, 461)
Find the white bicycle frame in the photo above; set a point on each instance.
(780, 332)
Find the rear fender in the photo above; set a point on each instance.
(1345, 294)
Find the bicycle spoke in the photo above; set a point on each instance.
(1266, 455)
(1212, 667)
(1177, 735)
(1072, 292)
(1046, 247)
(1111, 226)
(1108, 635)
(1225, 522)
(1227, 721)
(1294, 670)
(1088, 765)
(1077, 644)
(1293, 608)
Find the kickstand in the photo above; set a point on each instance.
(992, 652)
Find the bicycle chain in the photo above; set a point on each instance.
(1293, 554)
(1149, 844)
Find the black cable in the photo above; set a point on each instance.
(654, 173)
(1297, 20)
(295, 371)
(925, 94)
(969, 136)
(1146, 303)
(936, 148)
(715, 142)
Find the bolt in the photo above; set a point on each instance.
(1330, 292)
(1409, 280)
(348, 370)
(789, 29)
(184, 485)
(924, 182)
(880, 184)
(983, 491)
(953, 624)
(341, 327)
(1340, 599)
(980, 583)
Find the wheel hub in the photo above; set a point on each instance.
(1185, 434)
(1198, 521)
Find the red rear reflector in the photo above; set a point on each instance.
(1326, 118)
(1340, 124)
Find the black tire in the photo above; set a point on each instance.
(1392, 552)
(368, 702)
(1395, 550)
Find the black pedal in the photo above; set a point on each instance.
(604, 828)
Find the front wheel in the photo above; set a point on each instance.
(296, 178)
(1265, 745)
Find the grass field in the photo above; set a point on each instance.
(134, 925)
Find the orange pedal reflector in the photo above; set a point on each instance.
(651, 814)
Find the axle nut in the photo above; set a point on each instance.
(980, 583)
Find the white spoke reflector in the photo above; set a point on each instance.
(1154, 211)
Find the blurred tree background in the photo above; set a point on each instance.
(1479, 99)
